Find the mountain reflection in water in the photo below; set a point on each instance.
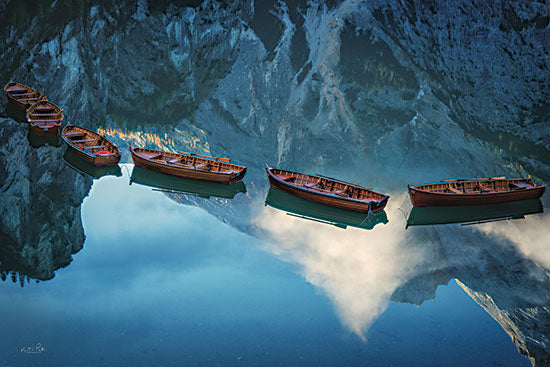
(40, 199)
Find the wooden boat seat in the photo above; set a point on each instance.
(483, 188)
(94, 147)
(174, 161)
(17, 89)
(83, 140)
(343, 192)
(520, 185)
(44, 114)
(75, 134)
(311, 185)
(203, 166)
(17, 94)
(454, 190)
(51, 121)
(155, 156)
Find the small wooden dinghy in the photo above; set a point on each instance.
(327, 191)
(315, 212)
(178, 185)
(90, 146)
(474, 191)
(188, 165)
(22, 96)
(473, 214)
(45, 118)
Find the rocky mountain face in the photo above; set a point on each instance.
(296, 81)
(40, 198)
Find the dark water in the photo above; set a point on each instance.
(123, 267)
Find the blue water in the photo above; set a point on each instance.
(162, 283)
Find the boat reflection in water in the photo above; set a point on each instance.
(38, 141)
(179, 185)
(79, 165)
(16, 114)
(473, 214)
(321, 213)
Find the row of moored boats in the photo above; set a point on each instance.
(45, 119)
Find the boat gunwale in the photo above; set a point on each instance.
(329, 195)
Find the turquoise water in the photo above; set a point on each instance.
(163, 283)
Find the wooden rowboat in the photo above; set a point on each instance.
(90, 146)
(22, 96)
(45, 118)
(327, 191)
(319, 213)
(188, 165)
(473, 214)
(474, 191)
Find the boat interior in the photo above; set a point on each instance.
(327, 186)
(44, 113)
(23, 94)
(499, 184)
(188, 161)
(89, 141)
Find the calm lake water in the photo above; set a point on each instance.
(123, 267)
(164, 279)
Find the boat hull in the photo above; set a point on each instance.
(327, 199)
(421, 198)
(95, 160)
(194, 174)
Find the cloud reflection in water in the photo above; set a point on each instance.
(358, 269)
(530, 235)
